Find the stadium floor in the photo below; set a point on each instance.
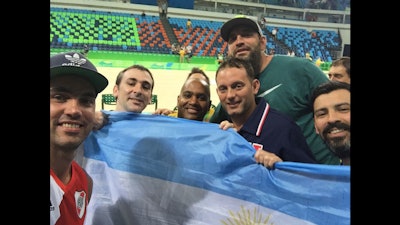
(149, 60)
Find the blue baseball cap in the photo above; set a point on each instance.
(74, 63)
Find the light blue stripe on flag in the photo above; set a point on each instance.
(150, 169)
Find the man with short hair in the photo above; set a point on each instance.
(340, 70)
(194, 99)
(133, 90)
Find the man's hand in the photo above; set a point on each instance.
(225, 125)
(101, 119)
(165, 112)
(266, 158)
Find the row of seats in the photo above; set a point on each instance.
(92, 28)
(318, 43)
(72, 28)
(152, 34)
(204, 36)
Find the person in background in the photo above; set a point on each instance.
(274, 33)
(332, 108)
(308, 56)
(291, 53)
(188, 24)
(263, 23)
(285, 82)
(220, 57)
(74, 86)
(318, 62)
(274, 136)
(175, 47)
(198, 86)
(188, 53)
(163, 7)
(272, 51)
(182, 53)
(143, 14)
(313, 34)
(85, 50)
(340, 70)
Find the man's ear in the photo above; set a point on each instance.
(316, 130)
(115, 91)
(256, 86)
(263, 40)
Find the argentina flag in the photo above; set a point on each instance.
(159, 170)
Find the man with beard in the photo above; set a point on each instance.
(285, 82)
(331, 103)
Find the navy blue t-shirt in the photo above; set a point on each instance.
(274, 132)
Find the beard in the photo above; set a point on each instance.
(255, 59)
(340, 146)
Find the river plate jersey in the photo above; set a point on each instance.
(68, 202)
(287, 84)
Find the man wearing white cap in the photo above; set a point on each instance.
(285, 82)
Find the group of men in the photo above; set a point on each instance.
(286, 107)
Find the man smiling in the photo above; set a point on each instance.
(74, 86)
(331, 102)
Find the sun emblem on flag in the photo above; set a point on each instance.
(246, 217)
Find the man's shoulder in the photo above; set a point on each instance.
(291, 59)
(295, 65)
(279, 115)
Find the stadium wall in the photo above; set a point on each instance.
(168, 82)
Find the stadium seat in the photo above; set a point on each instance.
(154, 101)
(108, 99)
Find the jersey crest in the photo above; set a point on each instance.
(80, 200)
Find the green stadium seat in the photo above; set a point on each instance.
(107, 99)
(154, 101)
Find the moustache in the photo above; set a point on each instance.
(338, 125)
(137, 96)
